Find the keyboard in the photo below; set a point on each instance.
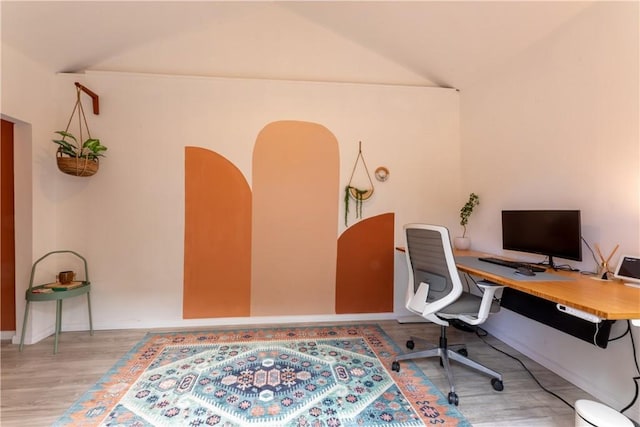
(512, 264)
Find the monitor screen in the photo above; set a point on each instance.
(628, 270)
(553, 233)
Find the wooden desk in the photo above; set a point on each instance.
(611, 300)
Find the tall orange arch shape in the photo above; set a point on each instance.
(217, 238)
(296, 178)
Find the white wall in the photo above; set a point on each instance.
(128, 219)
(27, 101)
(559, 128)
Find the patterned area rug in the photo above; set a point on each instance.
(307, 377)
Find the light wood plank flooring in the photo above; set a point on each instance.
(37, 386)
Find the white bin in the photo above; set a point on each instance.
(590, 413)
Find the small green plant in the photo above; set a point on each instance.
(358, 195)
(467, 210)
(90, 149)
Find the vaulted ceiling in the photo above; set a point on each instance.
(429, 43)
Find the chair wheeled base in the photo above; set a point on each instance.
(458, 353)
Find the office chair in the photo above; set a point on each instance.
(435, 293)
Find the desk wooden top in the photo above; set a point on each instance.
(610, 299)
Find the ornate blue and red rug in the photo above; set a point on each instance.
(308, 377)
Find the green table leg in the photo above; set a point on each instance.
(24, 324)
(58, 324)
(90, 320)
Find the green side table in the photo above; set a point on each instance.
(56, 292)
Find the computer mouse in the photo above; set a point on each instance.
(525, 271)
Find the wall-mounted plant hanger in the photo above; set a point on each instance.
(352, 191)
(76, 156)
(94, 97)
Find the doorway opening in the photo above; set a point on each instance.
(7, 227)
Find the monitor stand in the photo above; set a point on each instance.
(553, 266)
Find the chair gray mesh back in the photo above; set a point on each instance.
(428, 262)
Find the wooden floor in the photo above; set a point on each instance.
(37, 386)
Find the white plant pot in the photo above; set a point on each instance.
(462, 243)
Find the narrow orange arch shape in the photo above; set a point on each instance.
(217, 237)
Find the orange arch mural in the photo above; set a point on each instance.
(217, 242)
(295, 219)
(364, 279)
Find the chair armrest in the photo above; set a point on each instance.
(418, 301)
(488, 292)
(418, 304)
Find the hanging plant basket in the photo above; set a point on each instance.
(77, 156)
(357, 194)
(77, 166)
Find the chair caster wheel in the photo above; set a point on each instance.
(395, 366)
(410, 344)
(463, 352)
(452, 398)
(497, 384)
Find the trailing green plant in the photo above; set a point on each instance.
(90, 149)
(359, 197)
(467, 210)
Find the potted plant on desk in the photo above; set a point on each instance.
(463, 242)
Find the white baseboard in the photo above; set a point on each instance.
(7, 335)
(412, 319)
(210, 322)
(36, 336)
(240, 321)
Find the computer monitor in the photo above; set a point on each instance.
(552, 233)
